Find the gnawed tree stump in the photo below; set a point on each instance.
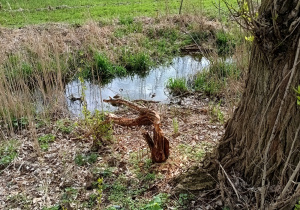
(158, 144)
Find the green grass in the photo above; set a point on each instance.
(213, 81)
(24, 12)
(177, 86)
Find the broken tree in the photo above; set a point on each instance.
(158, 143)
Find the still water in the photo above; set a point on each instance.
(150, 87)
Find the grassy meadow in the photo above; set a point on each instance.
(23, 12)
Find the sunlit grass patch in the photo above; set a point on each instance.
(20, 13)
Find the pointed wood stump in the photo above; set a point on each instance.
(158, 144)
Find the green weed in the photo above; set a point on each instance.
(70, 194)
(157, 203)
(19, 200)
(216, 114)
(65, 126)
(207, 83)
(175, 125)
(82, 159)
(45, 140)
(192, 152)
(183, 199)
(20, 123)
(56, 207)
(107, 172)
(8, 152)
(92, 201)
(99, 191)
(100, 130)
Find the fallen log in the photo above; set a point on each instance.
(158, 144)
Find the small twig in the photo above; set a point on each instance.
(5, 168)
(146, 101)
(235, 190)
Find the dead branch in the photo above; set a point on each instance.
(158, 144)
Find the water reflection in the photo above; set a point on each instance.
(133, 87)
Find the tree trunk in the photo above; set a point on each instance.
(262, 139)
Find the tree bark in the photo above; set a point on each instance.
(262, 141)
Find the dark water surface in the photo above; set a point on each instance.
(152, 86)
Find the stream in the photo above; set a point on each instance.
(150, 87)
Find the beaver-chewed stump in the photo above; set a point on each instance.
(158, 144)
